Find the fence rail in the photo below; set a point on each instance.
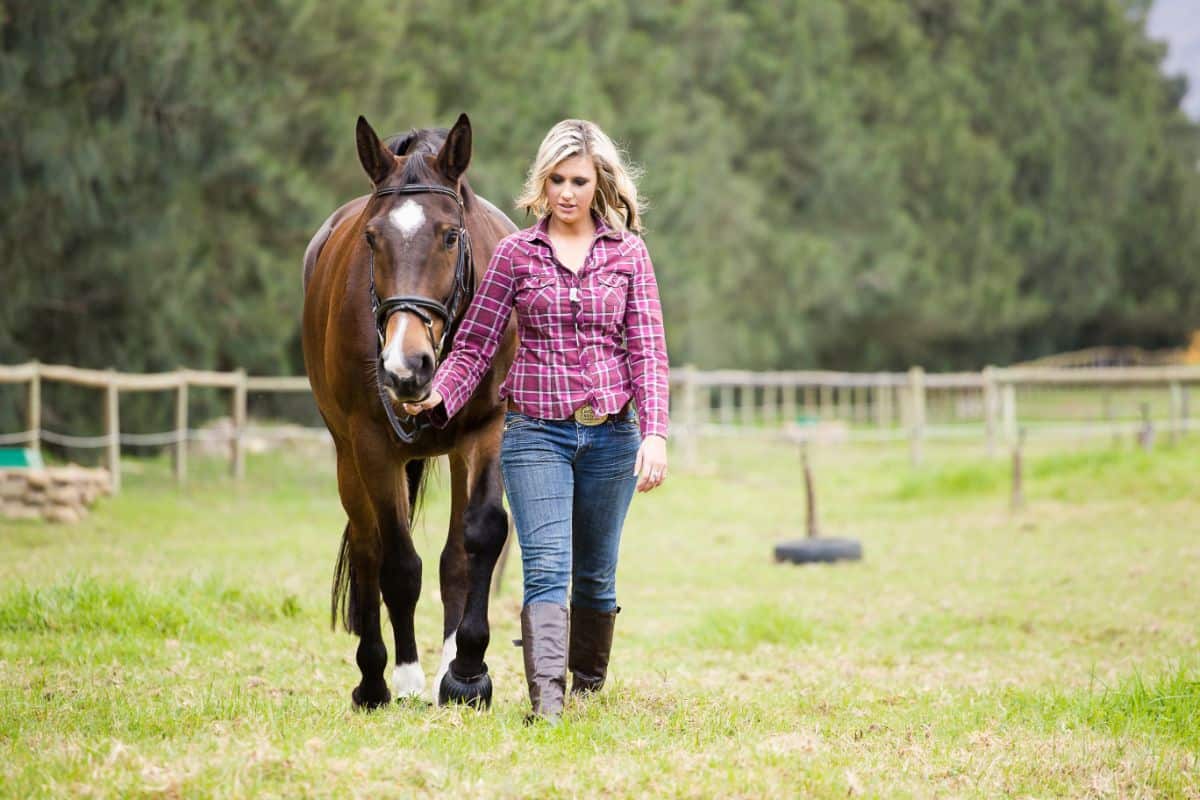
(807, 404)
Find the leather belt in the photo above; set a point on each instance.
(587, 415)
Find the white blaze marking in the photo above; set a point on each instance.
(408, 680)
(408, 218)
(393, 356)
(449, 651)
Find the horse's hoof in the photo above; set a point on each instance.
(475, 692)
(370, 699)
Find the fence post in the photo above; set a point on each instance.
(34, 412)
(916, 384)
(1183, 407)
(770, 403)
(989, 408)
(237, 453)
(112, 430)
(882, 405)
(1008, 397)
(725, 397)
(691, 426)
(746, 398)
(1176, 411)
(789, 402)
(181, 429)
(825, 405)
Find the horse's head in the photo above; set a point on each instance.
(415, 230)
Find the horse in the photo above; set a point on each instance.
(387, 279)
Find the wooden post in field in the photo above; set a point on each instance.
(181, 429)
(34, 412)
(989, 408)
(691, 424)
(916, 387)
(1176, 411)
(112, 430)
(237, 453)
(1017, 499)
(1008, 402)
(770, 404)
(813, 529)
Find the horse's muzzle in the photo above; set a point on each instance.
(413, 386)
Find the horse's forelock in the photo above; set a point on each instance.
(422, 142)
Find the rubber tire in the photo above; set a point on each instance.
(475, 692)
(818, 551)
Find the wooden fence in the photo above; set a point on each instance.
(913, 406)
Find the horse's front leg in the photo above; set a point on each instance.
(360, 547)
(485, 527)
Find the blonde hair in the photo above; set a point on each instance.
(616, 199)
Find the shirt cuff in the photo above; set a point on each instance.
(651, 428)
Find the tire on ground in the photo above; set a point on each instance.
(819, 550)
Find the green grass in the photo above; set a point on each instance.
(176, 642)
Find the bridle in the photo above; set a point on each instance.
(423, 307)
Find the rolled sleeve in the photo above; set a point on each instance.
(477, 338)
(645, 341)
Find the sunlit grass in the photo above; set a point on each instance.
(177, 641)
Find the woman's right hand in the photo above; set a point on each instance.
(432, 401)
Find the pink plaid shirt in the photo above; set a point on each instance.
(593, 337)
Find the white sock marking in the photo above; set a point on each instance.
(408, 218)
(449, 651)
(408, 680)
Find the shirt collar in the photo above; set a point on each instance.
(541, 231)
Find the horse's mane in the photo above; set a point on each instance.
(425, 142)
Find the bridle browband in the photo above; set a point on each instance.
(423, 307)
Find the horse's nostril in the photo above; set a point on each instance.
(426, 367)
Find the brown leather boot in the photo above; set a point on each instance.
(591, 643)
(544, 644)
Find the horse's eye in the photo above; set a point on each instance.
(451, 238)
(370, 237)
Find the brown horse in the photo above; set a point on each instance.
(387, 278)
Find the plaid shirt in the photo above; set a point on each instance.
(593, 337)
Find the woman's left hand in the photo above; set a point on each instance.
(651, 464)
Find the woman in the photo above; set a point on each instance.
(592, 345)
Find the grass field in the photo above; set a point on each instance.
(177, 643)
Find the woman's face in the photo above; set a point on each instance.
(570, 187)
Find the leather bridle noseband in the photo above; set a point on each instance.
(422, 307)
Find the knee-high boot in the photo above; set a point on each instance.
(591, 644)
(544, 644)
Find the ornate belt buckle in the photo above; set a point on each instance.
(586, 415)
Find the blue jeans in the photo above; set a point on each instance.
(569, 486)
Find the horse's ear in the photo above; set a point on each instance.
(455, 154)
(375, 158)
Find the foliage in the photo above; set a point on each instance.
(855, 184)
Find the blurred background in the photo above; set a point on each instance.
(833, 184)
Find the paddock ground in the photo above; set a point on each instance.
(177, 642)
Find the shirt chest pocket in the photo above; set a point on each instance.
(536, 298)
(607, 298)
